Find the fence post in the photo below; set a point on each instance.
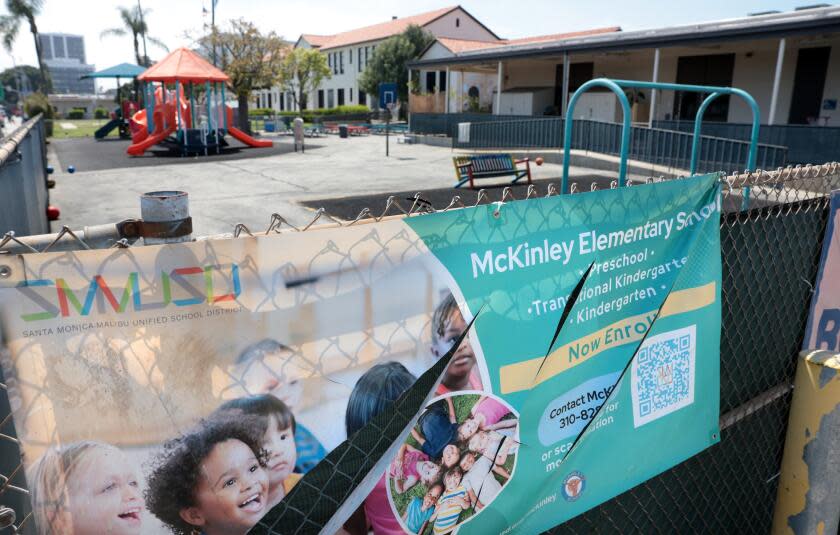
(166, 217)
(808, 499)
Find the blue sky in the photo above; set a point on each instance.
(170, 19)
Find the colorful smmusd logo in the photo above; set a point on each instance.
(181, 287)
(573, 486)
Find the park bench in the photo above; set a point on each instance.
(469, 168)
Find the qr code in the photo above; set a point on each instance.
(662, 376)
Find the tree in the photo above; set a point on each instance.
(134, 22)
(22, 78)
(252, 59)
(390, 58)
(20, 11)
(302, 71)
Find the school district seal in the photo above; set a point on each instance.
(573, 486)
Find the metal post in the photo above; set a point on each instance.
(448, 86)
(167, 214)
(777, 78)
(498, 106)
(163, 102)
(564, 98)
(653, 92)
(808, 498)
(224, 105)
(209, 95)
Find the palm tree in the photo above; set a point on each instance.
(20, 11)
(134, 22)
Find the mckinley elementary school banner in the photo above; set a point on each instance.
(199, 387)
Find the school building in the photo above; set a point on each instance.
(789, 62)
(349, 52)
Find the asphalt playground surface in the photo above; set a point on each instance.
(87, 154)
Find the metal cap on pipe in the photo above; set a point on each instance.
(166, 217)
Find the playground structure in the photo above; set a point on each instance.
(127, 107)
(185, 108)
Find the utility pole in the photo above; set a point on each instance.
(143, 24)
(213, 29)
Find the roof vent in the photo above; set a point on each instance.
(811, 6)
(760, 13)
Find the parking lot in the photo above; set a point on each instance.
(250, 185)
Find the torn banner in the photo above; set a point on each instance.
(113, 354)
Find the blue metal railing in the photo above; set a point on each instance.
(618, 86)
(657, 146)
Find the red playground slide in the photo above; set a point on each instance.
(137, 149)
(242, 136)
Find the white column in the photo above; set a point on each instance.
(653, 92)
(564, 99)
(448, 89)
(777, 78)
(497, 107)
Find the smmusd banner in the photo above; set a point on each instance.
(190, 387)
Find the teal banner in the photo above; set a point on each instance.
(629, 385)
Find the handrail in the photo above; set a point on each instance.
(616, 87)
(11, 142)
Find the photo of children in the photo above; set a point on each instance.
(447, 325)
(86, 488)
(454, 463)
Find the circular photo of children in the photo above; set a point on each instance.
(456, 460)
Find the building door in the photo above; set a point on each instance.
(340, 97)
(715, 69)
(579, 74)
(808, 85)
(320, 98)
(430, 81)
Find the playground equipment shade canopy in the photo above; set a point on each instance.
(183, 65)
(123, 70)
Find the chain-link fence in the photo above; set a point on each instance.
(770, 257)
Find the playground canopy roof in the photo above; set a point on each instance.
(123, 70)
(183, 65)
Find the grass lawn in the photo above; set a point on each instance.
(84, 128)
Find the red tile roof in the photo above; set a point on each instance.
(384, 29)
(457, 46)
(314, 40)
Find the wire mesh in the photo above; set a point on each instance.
(770, 251)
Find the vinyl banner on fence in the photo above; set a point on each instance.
(192, 387)
(823, 330)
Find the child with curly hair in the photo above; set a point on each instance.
(85, 488)
(447, 326)
(212, 480)
(452, 502)
(278, 430)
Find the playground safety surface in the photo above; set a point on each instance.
(88, 154)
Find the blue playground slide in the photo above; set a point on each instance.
(106, 129)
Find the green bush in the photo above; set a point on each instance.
(37, 103)
(260, 111)
(100, 113)
(307, 115)
(76, 113)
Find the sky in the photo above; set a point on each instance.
(171, 20)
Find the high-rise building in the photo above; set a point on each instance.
(64, 56)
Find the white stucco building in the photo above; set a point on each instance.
(348, 53)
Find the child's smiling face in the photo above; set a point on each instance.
(452, 480)
(232, 492)
(105, 495)
(451, 455)
(431, 497)
(428, 471)
(464, 358)
(467, 462)
(282, 455)
(468, 429)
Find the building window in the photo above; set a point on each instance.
(457, 22)
(330, 98)
(269, 100)
(340, 97)
(362, 97)
(350, 56)
(320, 98)
(351, 94)
(430, 81)
(359, 59)
(442, 83)
(341, 61)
